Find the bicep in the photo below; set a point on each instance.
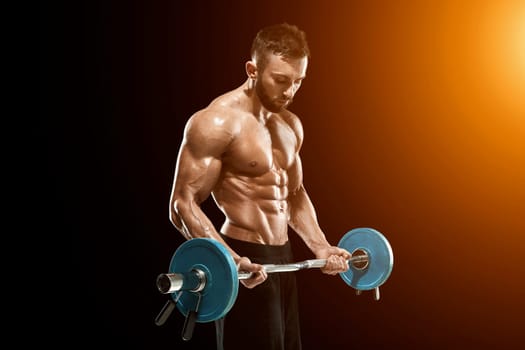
(295, 172)
(195, 175)
(295, 176)
(199, 161)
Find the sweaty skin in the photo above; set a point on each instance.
(243, 150)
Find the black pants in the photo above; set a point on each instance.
(265, 317)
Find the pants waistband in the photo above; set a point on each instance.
(257, 250)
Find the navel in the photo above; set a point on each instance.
(281, 206)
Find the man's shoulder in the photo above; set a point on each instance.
(293, 121)
(289, 117)
(217, 114)
(215, 120)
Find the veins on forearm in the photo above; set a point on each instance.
(201, 223)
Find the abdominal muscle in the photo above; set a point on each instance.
(255, 208)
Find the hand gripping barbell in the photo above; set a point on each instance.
(203, 279)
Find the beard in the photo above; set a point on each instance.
(274, 105)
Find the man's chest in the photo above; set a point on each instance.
(259, 147)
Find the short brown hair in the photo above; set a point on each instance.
(281, 39)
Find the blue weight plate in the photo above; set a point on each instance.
(222, 283)
(380, 258)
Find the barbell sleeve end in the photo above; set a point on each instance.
(194, 280)
(169, 282)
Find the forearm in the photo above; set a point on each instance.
(303, 220)
(190, 220)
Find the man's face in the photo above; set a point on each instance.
(279, 80)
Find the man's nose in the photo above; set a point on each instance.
(290, 92)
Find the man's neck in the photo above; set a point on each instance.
(256, 107)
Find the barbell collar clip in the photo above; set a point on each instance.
(377, 295)
(189, 322)
(165, 312)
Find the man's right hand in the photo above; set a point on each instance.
(259, 275)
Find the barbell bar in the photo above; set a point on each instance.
(203, 275)
(195, 280)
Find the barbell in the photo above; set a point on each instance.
(203, 279)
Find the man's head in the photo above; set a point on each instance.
(279, 58)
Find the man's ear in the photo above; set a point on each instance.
(251, 70)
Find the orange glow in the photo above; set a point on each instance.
(502, 44)
(419, 123)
